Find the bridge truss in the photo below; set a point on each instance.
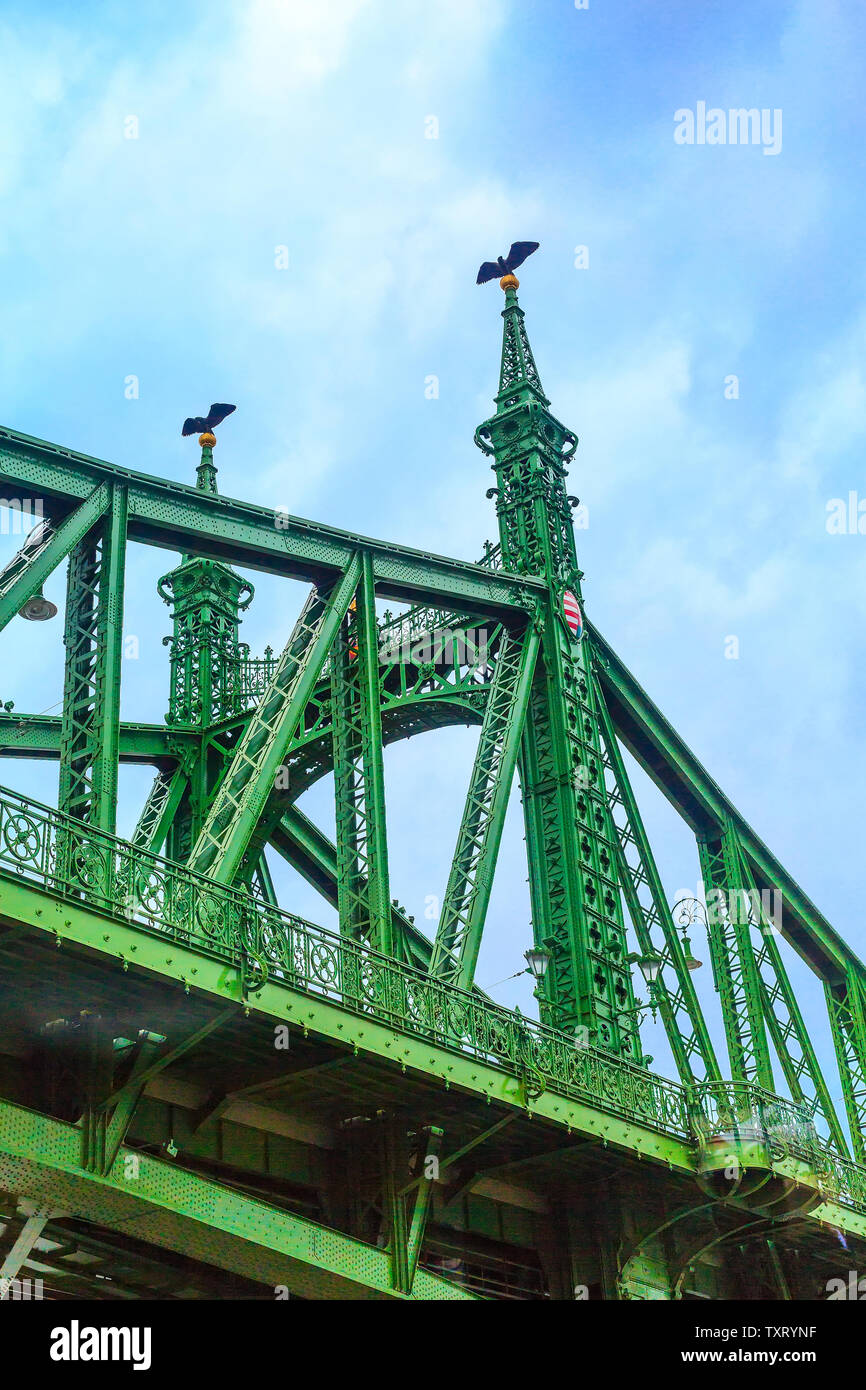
(200, 1089)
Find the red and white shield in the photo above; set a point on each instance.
(572, 615)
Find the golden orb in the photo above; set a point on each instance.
(207, 439)
(509, 282)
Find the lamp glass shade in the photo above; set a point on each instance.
(38, 608)
(650, 965)
(537, 961)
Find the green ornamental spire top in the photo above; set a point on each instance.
(530, 449)
(206, 472)
(207, 598)
(518, 372)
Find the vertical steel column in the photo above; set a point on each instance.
(461, 923)
(91, 694)
(679, 1005)
(735, 971)
(846, 1005)
(363, 891)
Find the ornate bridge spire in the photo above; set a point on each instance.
(205, 479)
(518, 374)
(531, 449)
(574, 884)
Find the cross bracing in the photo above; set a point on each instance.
(485, 644)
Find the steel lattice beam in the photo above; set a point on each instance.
(30, 568)
(782, 1012)
(735, 970)
(249, 781)
(846, 1005)
(464, 908)
(89, 745)
(364, 898)
(642, 887)
(175, 517)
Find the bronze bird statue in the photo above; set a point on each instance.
(205, 424)
(490, 270)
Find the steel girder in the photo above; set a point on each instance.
(735, 972)
(464, 908)
(672, 765)
(89, 740)
(38, 736)
(160, 809)
(176, 517)
(758, 1003)
(651, 916)
(241, 797)
(846, 1005)
(782, 1014)
(364, 897)
(33, 564)
(203, 1219)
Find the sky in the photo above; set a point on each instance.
(284, 204)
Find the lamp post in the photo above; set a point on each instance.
(691, 910)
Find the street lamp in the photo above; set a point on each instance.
(537, 960)
(692, 910)
(38, 608)
(650, 964)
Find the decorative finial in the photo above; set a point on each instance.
(509, 282)
(207, 440)
(504, 266)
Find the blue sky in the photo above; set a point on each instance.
(266, 125)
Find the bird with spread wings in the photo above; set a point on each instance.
(490, 270)
(204, 424)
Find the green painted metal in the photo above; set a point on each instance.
(846, 1005)
(324, 982)
(303, 845)
(40, 1158)
(37, 736)
(782, 1013)
(175, 517)
(461, 921)
(667, 759)
(363, 894)
(735, 970)
(89, 741)
(191, 900)
(576, 899)
(651, 918)
(160, 810)
(33, 564)
(242, 796)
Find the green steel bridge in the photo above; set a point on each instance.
(203, 1094)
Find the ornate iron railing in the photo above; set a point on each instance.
(76, 861)
(250, 678)
(79, 863)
